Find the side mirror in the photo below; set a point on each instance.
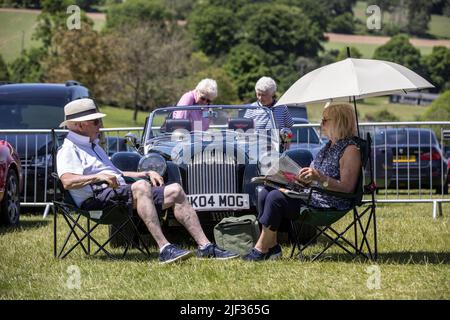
(285, 138)
(132, 139)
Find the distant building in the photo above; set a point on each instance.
(417, 98)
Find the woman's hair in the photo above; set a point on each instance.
(343, 120)
(208, 87)
(267, 85)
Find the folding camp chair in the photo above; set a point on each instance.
(323, 219)
(119, 214)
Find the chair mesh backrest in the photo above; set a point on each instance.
(365, 149)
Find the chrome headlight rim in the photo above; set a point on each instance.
(154, 162)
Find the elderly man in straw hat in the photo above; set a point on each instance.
(82, 162)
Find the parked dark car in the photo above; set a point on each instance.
(215, 167)
(305, 137)
(10, 184)
(417, 158)
(35, 106)
(298, 112)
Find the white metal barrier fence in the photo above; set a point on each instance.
(35, 147)
(410, 161)
(411, 172)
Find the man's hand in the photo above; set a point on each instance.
(111, 180)
(154, 177)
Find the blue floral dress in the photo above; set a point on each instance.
(327, 162)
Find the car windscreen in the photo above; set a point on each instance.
(31, 113)
(393, 137)
(205, 118)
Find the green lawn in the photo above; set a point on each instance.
(119, 118)
(373, 105)
(16, 32)
(367, 50)
(413, 264)
(17, 29)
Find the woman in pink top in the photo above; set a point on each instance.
(203, 94)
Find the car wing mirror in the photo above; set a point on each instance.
(285, 138)
(132, 139)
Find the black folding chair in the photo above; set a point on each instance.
(119, 214)
(323, 219)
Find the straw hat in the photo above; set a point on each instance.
(81, 110)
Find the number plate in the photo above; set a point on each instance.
(405, 158)
(219, 201)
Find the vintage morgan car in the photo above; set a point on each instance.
(213, 152)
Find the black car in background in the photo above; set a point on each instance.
(417, 161)
(32, 106)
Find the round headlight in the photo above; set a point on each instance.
(154, 162)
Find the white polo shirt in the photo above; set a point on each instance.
(78, 155)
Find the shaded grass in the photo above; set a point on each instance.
(413, 263)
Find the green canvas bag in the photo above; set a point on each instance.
(237, 234)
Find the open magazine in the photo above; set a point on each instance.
(282, 175)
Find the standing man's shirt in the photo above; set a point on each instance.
(188, 99)
(282, 117)
(78, 155)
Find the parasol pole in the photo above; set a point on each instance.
(354, 100)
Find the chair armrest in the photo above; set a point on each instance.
(344, 195)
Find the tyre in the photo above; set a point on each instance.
(10, 205)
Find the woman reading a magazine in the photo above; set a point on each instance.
(336, 167)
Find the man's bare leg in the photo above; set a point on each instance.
(143, 203)
(184, 213)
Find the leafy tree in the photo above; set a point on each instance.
(438, 67)
(213, 29)
(281, 30)
(27, 68)
(80, 55)
(419, 16)
(383, 115)
(439, 109)
(316, 10)
(135, 12)
(354, 53)
(4, 73)
(52, 18)
(245, 64)
(401, 51)
(179, 9)
(148, 63)
(344, 23)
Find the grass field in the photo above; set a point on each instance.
(413, 264)
(367, 50)
(374, 105)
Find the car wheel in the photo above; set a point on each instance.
(10, 205)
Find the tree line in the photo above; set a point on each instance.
(152, 51)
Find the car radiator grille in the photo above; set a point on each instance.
(212, 172)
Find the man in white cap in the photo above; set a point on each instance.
(81, 162)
